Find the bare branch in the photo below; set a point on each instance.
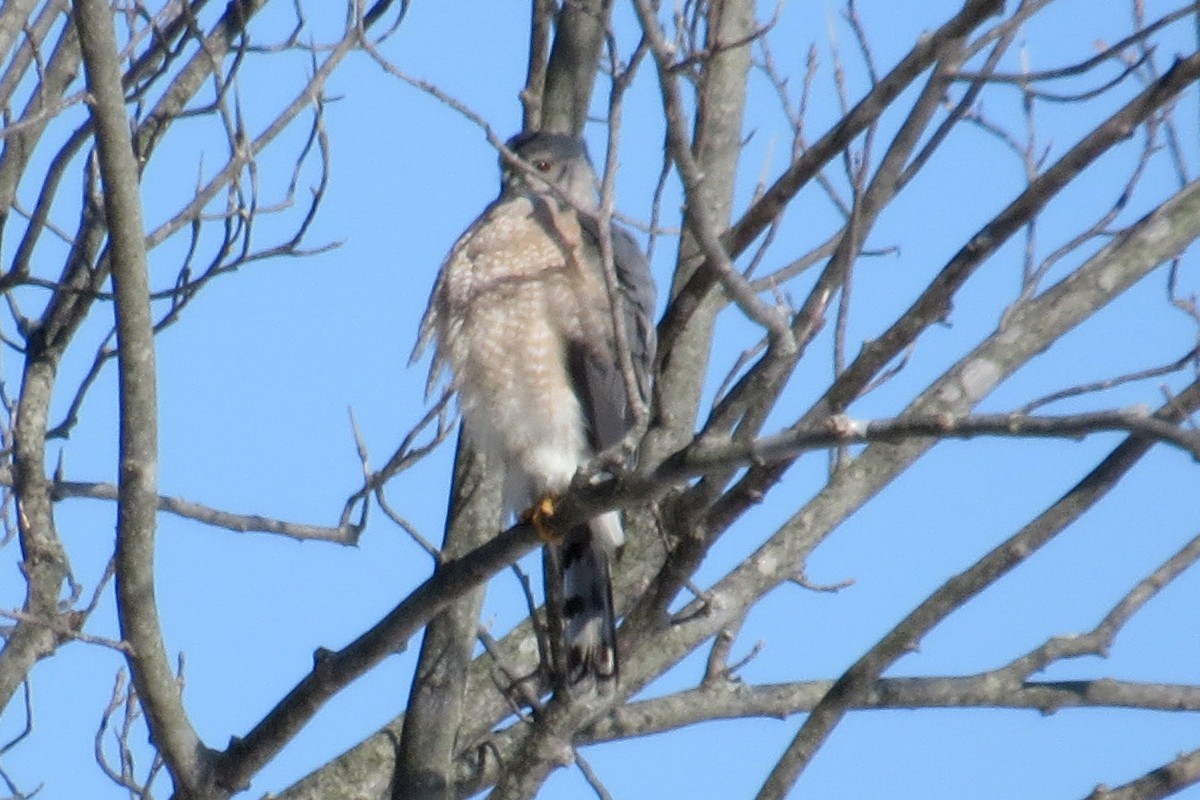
(334, 670)
(948, 597)
(1110, 383)
(198, 512)
(67, 629)
(571, 70)
(702, 223)
(541, 21)
(736, 700)
(1172, 777)
(137, 497)
(1110, 53)
(1100, 639)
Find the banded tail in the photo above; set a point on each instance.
(589, 617)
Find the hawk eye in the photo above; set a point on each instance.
(542, 165)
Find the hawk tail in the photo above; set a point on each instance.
(589, 619)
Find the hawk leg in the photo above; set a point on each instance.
(539, 516)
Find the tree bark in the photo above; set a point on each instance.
(137, 506)
(433, 719)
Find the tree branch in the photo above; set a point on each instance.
(177, 741)
(242, 523)
(774, 200)
(332, 671)
(1156, 237)
(1172, 777)
(951, 595)
(433, 717)
(574, 57)
(702, 223)
(736, 700)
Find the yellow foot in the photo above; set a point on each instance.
(539, 517)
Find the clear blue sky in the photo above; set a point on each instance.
(255, 384)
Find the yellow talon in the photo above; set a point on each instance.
(539, 517)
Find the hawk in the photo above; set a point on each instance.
(521, 316)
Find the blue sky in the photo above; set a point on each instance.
(256, 380)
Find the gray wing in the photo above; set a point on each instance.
(598, 379)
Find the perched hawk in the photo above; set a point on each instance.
(523, 320)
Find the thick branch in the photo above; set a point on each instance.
(169, 727)
(333, 671)
(433, 718)
(13, 17)
(719, 117)
(1172, 777)
(571, 73)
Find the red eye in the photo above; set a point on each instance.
(542, 166)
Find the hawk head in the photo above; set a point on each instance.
(554, 158)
